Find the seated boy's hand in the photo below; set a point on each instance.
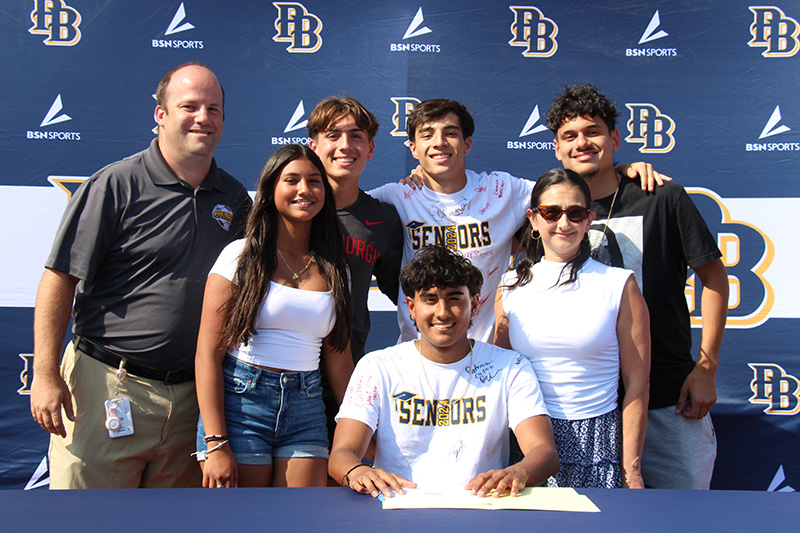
(509, 479)
(375, 481)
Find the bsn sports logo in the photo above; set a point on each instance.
(52, 117)
(296, 122)
(531, 127)
(57, 20)
(533, 31)
(747, 254)
(415, 29)
(773, 127)
(773, 30)
(177, 25)
(651, 128)
(778, 483)
(652, 33)
(775, 388)
(296, 26)
(403, 105)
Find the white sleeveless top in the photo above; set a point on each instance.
(290, 325)
(569, 333)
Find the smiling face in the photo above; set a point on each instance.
(344, 149)
(443, 317)
(190, 121)
(299, 192)
(585, 146)
(440, 147)
(561, 239)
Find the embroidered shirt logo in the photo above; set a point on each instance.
(224, 215)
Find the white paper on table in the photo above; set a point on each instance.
(530, 498)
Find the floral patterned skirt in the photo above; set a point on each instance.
(589, 450)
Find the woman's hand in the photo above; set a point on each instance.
(220, 469)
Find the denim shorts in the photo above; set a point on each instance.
(271, 414)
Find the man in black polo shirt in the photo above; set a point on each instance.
(137, 240)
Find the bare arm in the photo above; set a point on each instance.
(350, 442)
(220, 467)
(535, 436)
(649, 177)
(633, 333)
(699, 391)
(49, 392)
(500, 320)
(338, 367)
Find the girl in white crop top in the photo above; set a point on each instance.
(274, 301)
(582, 324)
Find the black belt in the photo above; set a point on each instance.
(169, 377)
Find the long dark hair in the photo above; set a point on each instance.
(257, 261)
(534, 249)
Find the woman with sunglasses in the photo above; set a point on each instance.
(582, 324)
(274, 301)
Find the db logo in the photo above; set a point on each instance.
(533, 31)
(747, 253)
(772, 386)
(773, 30)
(651, 128)
(57, 20)
(403, 105)
(27, 373)
(298, 27)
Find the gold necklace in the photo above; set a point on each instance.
(295, 275)
(608, 219)
(443, 406)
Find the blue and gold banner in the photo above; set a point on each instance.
(707, 93)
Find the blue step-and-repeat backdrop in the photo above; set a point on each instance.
(707, 91)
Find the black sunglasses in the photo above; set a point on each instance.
(552, 213)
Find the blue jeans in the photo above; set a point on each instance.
(271, 414)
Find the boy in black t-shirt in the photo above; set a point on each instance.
(657, 235)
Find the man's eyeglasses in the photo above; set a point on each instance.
(552, 213)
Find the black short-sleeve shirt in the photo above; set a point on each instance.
(658, 236)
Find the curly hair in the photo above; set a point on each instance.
(442, 267)
(333, 109)
(581, 101)
(257, 262)
(429, 110)
(534, 249)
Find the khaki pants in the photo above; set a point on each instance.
(158, 454)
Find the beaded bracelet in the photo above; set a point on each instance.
(346, 478)
(211, 438)
(202, 455)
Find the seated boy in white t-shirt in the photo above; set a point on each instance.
(440, 407)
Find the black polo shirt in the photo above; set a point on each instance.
(142, 241)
